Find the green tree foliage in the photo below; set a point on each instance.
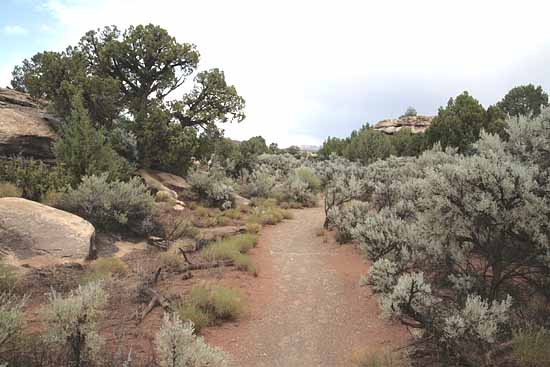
(524, 100)
(164, 143)
(145, 60)
(333, 146)
(33, 177)
(130, 73)
(253, 146)
(56, 77)
(84, 151)
(405, 143)
(460, 123)
(368, 145)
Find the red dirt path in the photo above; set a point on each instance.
(306, 308)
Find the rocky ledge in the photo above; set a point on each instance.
(25, 126)
(417, 124)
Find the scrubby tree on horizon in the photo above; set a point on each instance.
(460, 123)
(410, 111)
(524, 100)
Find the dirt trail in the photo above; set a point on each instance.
(306, 309)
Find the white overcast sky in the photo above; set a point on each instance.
(309, 69)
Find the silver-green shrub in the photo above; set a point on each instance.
(177, 346)
(346, 218)
(342, 181)
(112, 205)
(72, 322)
(260, 182)
(12, 320)
(456, 238)
(213, 187)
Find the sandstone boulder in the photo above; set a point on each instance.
(417, 124)
(163, 181)
(29, 229)
(25, 126)
(240, 201)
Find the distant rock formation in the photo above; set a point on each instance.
(25, 126)
(417, 124)
(39, 234)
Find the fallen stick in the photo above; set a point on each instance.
(157, 300)
(185, 256)
(214, 264)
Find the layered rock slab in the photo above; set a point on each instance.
(29, 229)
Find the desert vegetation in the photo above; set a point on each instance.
(458, 243)
(453, 221)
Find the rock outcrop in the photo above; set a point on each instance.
(417, 124)
(29, 229)
(163, 181)
(25, 126)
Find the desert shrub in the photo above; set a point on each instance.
(233, 213)
(8, 278)
(346, 218)
(243, 263)
(449, 233)
(171, 259)
(253, 228)
(9, 190)
(221, 303)
(284, 164)
(171, 226)
(233, 248)
(307, 175)
(202, 212)
(53, 198)
(112, 205)
(191, 312)
(266, 215)
(341, 180)
(32, 177)
(12, 320)
(530, 347)
(222, 249)
(211, 305)
(258, 183)
(177, 346)
(222, 220)
(213, 187)
(104, 269)
(72, 322)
